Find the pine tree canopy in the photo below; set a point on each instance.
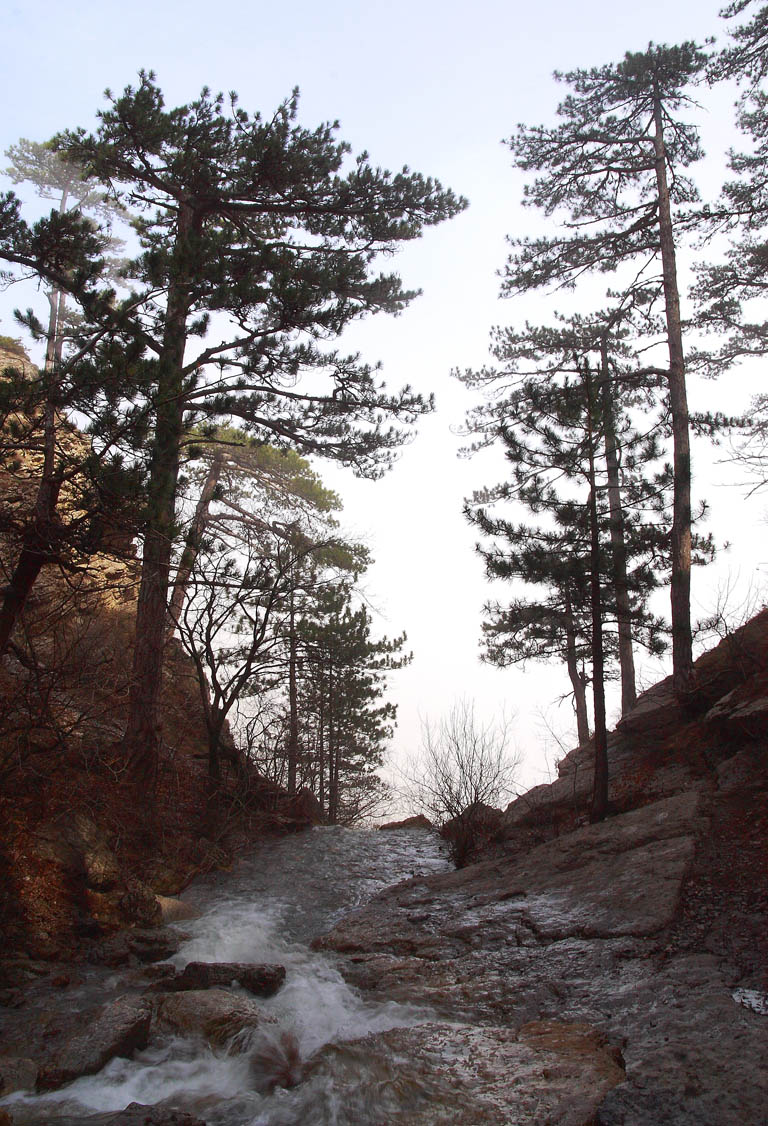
(598, 166)
(260, 235)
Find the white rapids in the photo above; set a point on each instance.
(277, 899)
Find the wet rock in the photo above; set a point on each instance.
(619, 878)
(576, 931)
(136, 1114)
(261, 980)
(17, 1074)
(158, 976)
(172, 910)
(211, 1014)
(137, 945)
(473, 1076)
(417, 822)
(118, 1028)
(275, 1061)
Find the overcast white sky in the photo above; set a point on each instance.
(436, 85)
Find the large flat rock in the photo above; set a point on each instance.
(619, 878)
(463, 1075)
(574, 933)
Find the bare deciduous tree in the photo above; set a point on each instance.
(464, 768)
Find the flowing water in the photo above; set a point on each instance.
(268, 910)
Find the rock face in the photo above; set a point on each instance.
(135, 1115)
(140, 944)
(117, 1029)
(468, 1075)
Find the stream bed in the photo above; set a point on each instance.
(267, 910)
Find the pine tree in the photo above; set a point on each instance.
(562, 424)
(249, 481)
(344, 697)
(259, 223)
(614, 165)
(249, 551)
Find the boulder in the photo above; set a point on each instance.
(172, 909)
(304, 808)
(417, 822)
(261, 980)
(139, 944)
(556, 1074)
(118, 1028)
(211, 1014)
(17, 1074)
(656, 710)
(139, 904)
(102, 871)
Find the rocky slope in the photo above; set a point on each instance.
(612, 974)
(82, 853)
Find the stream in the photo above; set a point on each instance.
(267, 910)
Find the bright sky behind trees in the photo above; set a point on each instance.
(436, 85)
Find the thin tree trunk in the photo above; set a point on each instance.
(682, 645)
(599, 807)
(193, 541)
(321, 744)
(332, 751)
(214, 739)
(293, 723)
(618, 541)
(576, 678)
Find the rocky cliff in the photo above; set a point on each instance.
(612, 974)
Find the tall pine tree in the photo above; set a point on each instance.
(614, 166)
(259, 239)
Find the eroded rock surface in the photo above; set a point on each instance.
(466, 1075)
(576, 932)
